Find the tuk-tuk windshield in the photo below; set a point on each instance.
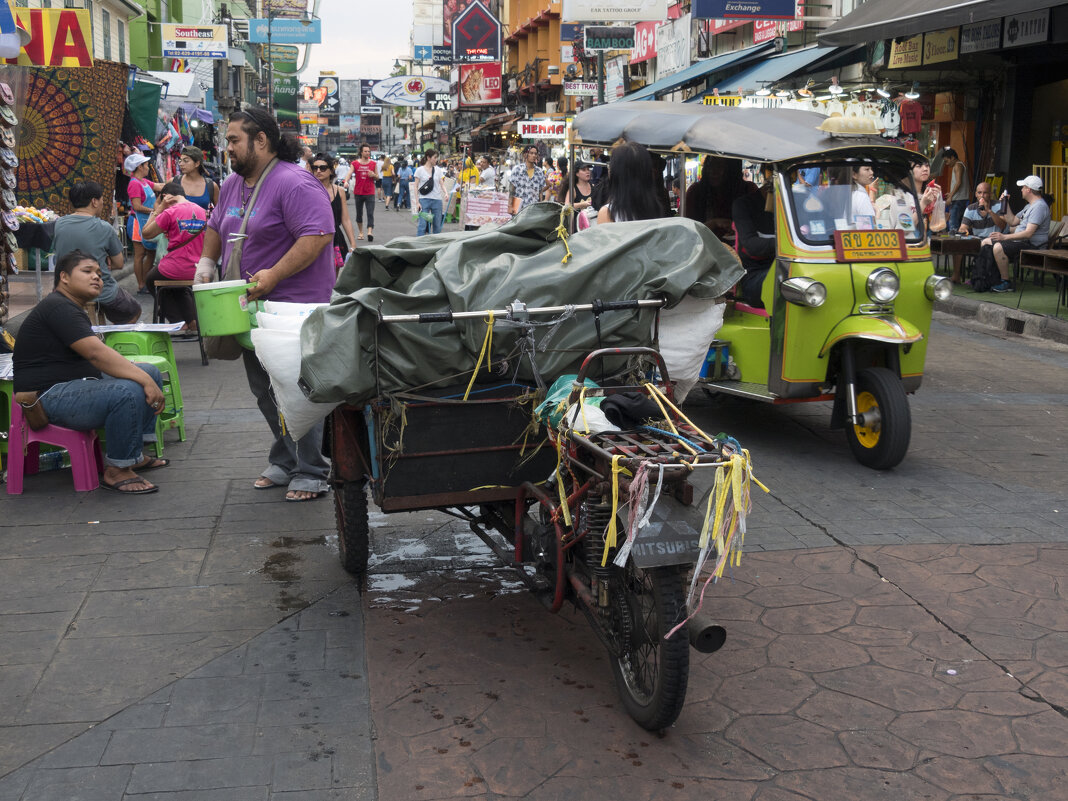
(854, 196)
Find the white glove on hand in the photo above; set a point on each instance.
(205, 271)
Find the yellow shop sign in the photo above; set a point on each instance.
(939, 46)
(58, 38)
(907, 53)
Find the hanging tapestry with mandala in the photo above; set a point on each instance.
(69, 130)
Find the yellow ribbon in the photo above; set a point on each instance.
(561, 231)
(487, 345)
(560, 481)
(610, 534)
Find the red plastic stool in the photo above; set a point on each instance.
(86, 461)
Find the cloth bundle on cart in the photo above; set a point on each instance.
(347, 356)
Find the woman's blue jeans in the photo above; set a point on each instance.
(433, 207)
(115, 404)
(404, 201)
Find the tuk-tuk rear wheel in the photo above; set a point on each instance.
(883, 441)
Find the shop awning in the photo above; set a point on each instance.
(872, 21)
(699, 70)
(774, 69)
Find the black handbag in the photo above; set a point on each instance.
(428, 185)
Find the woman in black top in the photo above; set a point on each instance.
(323, 167)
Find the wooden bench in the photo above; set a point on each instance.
(1053, 262)
(170, 285)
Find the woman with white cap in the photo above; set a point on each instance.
(142, 193)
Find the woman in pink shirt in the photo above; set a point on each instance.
(183, 223)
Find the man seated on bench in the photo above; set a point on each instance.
(83, 229)
(81, 383)
(1031, 229)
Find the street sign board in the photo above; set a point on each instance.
(194, 41)
(438, 101)
(580, 88)
(285, 31)
(476, 35)
(600, 11)
(609, 37)
(423, 52)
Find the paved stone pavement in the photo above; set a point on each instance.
(893, 635)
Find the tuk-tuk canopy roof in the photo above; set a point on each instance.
(757, 134)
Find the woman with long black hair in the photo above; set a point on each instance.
(632, 191)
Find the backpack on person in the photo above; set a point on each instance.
(985, 270)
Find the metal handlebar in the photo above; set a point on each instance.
(580, 379)
(517, 309)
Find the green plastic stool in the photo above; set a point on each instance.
(148, 343)
(173, 414)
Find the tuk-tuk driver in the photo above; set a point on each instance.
(754, 225)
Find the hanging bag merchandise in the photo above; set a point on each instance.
(938, 216)
(227, 347)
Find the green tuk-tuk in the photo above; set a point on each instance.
(847, 302)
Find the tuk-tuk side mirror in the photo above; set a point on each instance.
(804, 291)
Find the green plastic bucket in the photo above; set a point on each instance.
(222, 308)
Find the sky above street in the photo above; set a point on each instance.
(361, 38)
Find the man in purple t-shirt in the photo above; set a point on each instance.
(286, 253)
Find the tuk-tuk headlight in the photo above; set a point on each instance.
(804, 291)
(883, 285)
(937, 287)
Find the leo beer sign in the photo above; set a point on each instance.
(542, 129)
(480, 84)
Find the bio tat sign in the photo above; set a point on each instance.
(609, 37)
(615, 10)
(542, 129)
(438, 101)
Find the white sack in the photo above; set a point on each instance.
(686, 331)
(279, 353)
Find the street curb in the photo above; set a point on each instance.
(1005, 318)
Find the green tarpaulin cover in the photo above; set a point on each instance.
(488, 269)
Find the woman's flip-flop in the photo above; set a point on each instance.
(118, 486)
(151, 464)
(313, 496)
(269, 485)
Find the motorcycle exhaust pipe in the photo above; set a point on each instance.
(705, 636)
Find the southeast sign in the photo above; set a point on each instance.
(194, 41)
(408, 90)
(609, 37)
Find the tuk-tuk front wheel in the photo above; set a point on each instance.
(350, 512)
(880, 439)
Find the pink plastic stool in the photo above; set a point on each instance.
(86, 462)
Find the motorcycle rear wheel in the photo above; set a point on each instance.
(651, 672)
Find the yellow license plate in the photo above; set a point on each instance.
(869, 245)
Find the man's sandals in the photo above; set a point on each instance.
(149, 464)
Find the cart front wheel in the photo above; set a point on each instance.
(651, 672)
(350, 510)
(881, 440)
